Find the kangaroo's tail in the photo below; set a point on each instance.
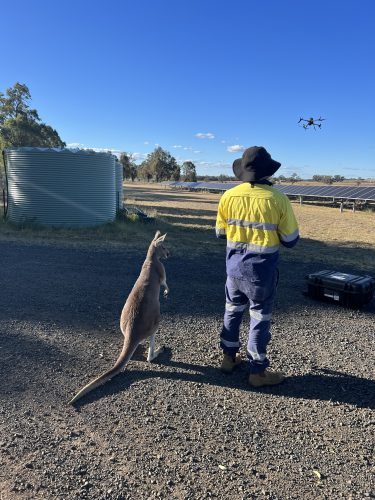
(125, 356)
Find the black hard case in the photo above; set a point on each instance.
(348, 290)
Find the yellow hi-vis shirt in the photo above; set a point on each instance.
(256, 219)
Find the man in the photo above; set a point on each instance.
(254, 218)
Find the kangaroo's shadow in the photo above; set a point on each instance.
(321, 384)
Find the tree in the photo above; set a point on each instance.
(14, 104)
(189, 172)
(159, 165)
(328, 179)
(338, 178)
(294, 178)
(176, 175)
(128, 165)
(144, 171)
(22, 131)
(20, 125)
(133, 172)
(223, 178)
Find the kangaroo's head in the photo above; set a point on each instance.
(161, 250)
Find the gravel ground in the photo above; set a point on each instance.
(177, 428)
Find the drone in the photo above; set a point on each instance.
(311, 122)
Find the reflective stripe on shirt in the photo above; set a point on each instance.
(220, 232)
(251, 248)
(254, 225)
(289, 237)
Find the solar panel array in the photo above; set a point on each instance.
(363, 193)
(341, 192)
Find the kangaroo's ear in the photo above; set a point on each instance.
(160, 240)
(157, 234)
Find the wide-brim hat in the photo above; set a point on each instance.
(255, 164)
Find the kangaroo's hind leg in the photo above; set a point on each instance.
(152, 354)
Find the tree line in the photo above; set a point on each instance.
(158, 166)
(326, 179)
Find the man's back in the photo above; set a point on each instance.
(256, 218)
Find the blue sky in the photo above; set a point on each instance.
(129, 75)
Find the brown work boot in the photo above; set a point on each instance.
(265, 378)
(229, 363)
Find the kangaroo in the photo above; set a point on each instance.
(140, 316)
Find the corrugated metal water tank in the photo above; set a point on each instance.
(119, 185)
(60, 187)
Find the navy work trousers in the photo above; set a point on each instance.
(241, 294)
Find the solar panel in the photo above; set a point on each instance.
(368, 194)
(356, 192)
(326, 191)
(315, 190)
(344, 191)
(280, 188)
(288, 189)
(368, 191)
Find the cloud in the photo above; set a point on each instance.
(139, 156)
(105, 150)
(207, 135)
(197, 152)
(185, 148)
(215, 164)
(146, 142)
(77, 145)
(235, 148)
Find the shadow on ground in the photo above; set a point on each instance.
(24, 356)
(322, 384)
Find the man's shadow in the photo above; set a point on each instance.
(321, 384)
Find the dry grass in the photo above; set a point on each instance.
(189, 218)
